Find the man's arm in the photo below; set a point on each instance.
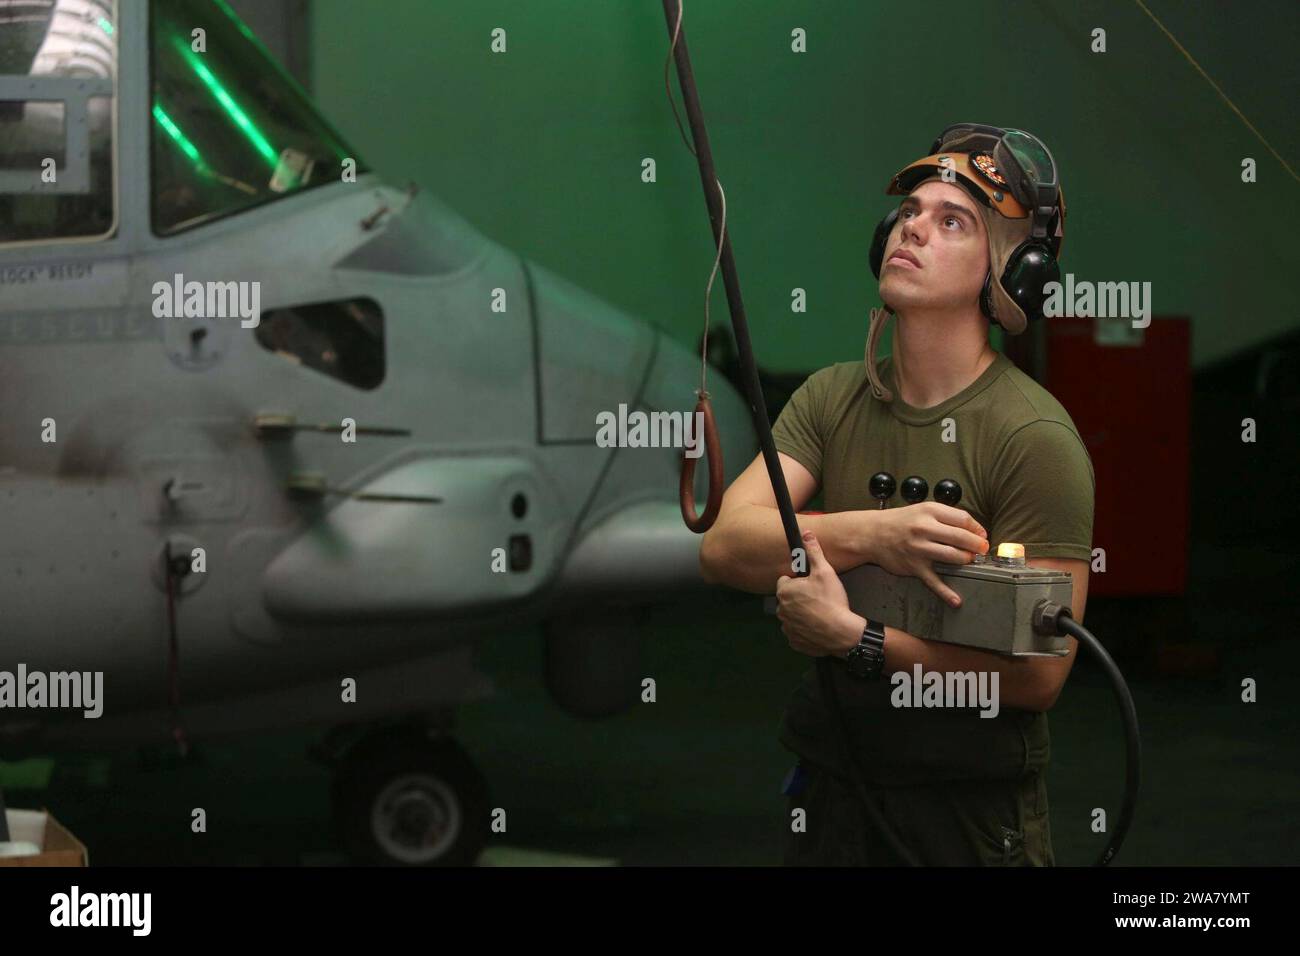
(1025, 683)
(1054, 670)
(746, 547)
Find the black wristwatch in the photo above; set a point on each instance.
(867, 659)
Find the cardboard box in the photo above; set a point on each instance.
(58, 846)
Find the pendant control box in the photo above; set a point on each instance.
(1000, 598)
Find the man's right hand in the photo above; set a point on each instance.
(908, 540)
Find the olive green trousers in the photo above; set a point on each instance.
(956, 823)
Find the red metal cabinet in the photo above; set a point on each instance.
(1132, 406)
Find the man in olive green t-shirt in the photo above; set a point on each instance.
(954, 786)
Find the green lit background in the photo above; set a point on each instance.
(541, 147)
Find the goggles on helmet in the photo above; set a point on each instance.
(1013, 171)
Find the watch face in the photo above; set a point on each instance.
(867, 659)
(861, 660)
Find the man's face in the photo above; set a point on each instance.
(938, 227)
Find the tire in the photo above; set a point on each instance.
(410, 801)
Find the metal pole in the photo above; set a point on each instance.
(709, 178)
(754, 392)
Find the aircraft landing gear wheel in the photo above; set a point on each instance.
(410, 801)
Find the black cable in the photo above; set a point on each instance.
(1066, 624)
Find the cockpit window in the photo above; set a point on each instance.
(58, 72)
(231, 129)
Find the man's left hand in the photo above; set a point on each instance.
(814, 610)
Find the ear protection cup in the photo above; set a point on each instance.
(879, 240)
(1030, 267)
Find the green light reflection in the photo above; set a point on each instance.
(223, 97)
(174, 131)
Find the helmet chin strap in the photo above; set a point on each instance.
(986, 295)
(986, 299)
(878, 319)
